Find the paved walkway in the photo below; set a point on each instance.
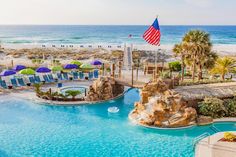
(220, 90)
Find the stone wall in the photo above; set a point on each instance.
(104, 88)
(159, 106)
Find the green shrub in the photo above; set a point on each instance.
(175, 66)
(165, 74)
(213, 107)
(230, 105)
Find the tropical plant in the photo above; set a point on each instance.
(230, 105)
(210, 61)
(37, 87)
(178, 51)
(165, 74)
(72, 93)
(223, 66)
(197, 46)
(175, 66)
(213, 107)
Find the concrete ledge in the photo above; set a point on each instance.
(76, 103)
(212, 147)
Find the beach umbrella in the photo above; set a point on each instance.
(27, 71)
(43, 70)
(76, 62)
(7, 73)
(56, 68)
(86, 66)
(71, 66)
(96, 62)
(19, 67)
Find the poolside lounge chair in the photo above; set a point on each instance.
(51, 77)
(95, 73)
(65, 75)
(21, 82)
(3, 84)
(59, 76)
(81, 75)
(14, 83)
(75, 75)
(90, 75)
(32, 80)
(45, 77)
(37, 79)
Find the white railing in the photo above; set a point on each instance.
(215, 129)
(200, 137)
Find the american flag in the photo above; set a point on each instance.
(153, 34)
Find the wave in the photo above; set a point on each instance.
(19, 42)
(76, 37)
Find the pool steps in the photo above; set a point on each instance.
(204, 135)
(200, 137)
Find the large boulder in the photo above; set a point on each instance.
(159, 106)
(204, 120)
(104, 88)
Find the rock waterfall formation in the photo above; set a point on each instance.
(162, 107)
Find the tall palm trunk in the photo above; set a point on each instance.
(193, 70)
(223, 77)
(182, 68)
(200, 72)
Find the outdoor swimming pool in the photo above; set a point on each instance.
(28, 129)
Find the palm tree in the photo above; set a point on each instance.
(73, 93)
(178, 51)
(197, 44)
(223, 66)
(37, 87)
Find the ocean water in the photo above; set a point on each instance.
(30, 129)
(82, 34)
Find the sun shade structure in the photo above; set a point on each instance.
(27, 71)
(43, 70)
(7, 73)
(96, 62)
(71, 66)
(86, 66)
(76, 62)
(56, 68)
(19, 67)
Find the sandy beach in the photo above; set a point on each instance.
(23, 54)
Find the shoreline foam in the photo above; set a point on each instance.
(222, 49)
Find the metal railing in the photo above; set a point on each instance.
(215, 129)
(200, 137)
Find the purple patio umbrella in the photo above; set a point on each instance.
(19, 67)
(71, 66)
(7, 73)
(96, 62)
(43, 70)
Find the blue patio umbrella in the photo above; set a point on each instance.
(71, 66)
(43, 70)
(7, 73)
(96, 62)
(19, 67)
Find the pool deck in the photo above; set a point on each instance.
(212, 147)
(28, 93)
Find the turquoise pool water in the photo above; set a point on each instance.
(29, 129)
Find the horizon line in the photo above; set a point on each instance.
(115, 25)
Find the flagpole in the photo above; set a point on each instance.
(155, 79)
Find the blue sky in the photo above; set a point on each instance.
(118, 12)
